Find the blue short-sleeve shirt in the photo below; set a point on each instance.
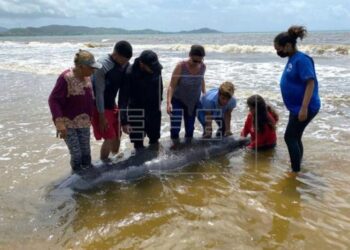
(300, 68)
(210, 101)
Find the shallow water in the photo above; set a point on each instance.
(241, 200)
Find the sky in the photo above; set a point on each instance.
(177, 15)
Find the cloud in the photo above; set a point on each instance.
(75, 8)
(31, 9)
(340, 11)
(171, 15)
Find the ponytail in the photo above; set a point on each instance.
(291, 36)
(297, 32)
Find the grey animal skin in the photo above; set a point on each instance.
(166, 157)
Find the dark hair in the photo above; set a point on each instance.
(261, 113)
(291, 36)
(123, 48)
(197, 50)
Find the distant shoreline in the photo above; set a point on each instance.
(67, 30)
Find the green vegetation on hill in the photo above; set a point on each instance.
(66, 30)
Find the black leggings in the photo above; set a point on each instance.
(292, 137)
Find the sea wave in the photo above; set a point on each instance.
(319, 50)
(54, 45)
(38, 45)
(326, 49)
(51, 58)
(96, 45)
(233, 48)
(40, 69)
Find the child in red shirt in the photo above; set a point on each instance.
(261, 118)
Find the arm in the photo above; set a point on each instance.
(123, 98)
(161, 92)
(310, 84)
(227, 120)
(203, 83)
(208, 125)
(123, 101)
(247, 130)
(56, 101)
(173, 83)
(247, 125)
(203, 87)
(99, 83)
(306, 71)
(161, 88)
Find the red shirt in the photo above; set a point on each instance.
(266, 138)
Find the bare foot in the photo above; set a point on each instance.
(292, 174)
(106, 160)
(117, 155)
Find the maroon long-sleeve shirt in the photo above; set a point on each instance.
(71, 100)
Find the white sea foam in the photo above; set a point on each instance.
(41, 161)
(51, 58)
(54, 45)
(233, 48)
(36, 69)
(326, 50)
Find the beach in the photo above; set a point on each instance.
(242, 200)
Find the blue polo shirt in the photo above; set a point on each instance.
(210, 101)
(300, 68)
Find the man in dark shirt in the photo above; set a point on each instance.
(145, 94)
(107, 81)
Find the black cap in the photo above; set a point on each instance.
(150, 58)
(123, 48)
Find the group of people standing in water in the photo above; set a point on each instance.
(85, 95)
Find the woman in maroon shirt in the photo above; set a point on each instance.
(71, 103)
(260, 124)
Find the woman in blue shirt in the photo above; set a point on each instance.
(299, 88)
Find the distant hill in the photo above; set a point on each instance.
(200, 31)
(66, 30)
(2, 29)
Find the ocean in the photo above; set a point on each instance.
(239, 201)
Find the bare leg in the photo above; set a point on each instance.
(115, 146)
(106, 149)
